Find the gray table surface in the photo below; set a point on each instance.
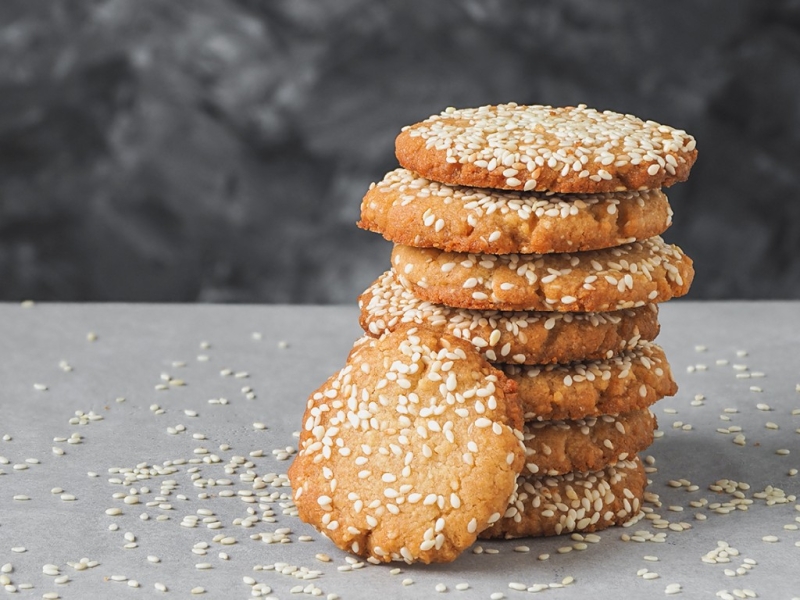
(283, 353)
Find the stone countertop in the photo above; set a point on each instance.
(228, 371)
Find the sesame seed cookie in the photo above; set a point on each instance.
(632, 380)
(511, 337)
(558, 447)
(574, 502)
(408, 209)
(411, 450)
(543, 148)
(597, 280)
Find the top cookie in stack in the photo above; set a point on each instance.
(546, 149)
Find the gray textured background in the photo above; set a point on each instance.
(218, 150)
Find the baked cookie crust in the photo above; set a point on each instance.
(409, 451)
(544, 148)
(627, 276)
(408, 209)
(634, 379)
(589, 444)
(511, 337)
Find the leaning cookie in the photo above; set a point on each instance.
(408, 209)
(559, 447)
(411, 450)
(575, 502)
(511, 337)
(597, 280)
(632, 380)
(544, 148)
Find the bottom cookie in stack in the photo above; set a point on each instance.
(573, 502)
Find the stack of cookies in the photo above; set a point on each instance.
(532, 232)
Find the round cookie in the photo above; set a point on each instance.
(558, 447)
(542, 148)
(409, 451)
(511, 337)
(408, 209)
(597, 280)
(575, 502)
(632, 380)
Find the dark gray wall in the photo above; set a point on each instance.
(218, 150)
